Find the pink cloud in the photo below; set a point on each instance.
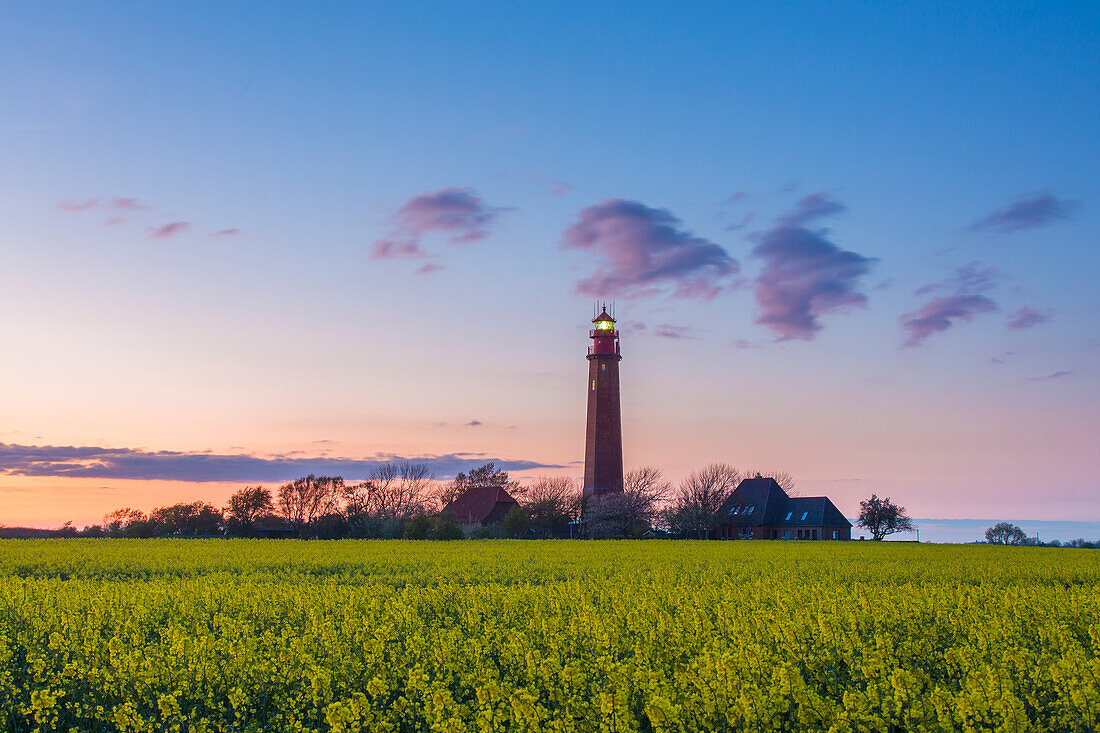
(390, 249)
(114, 221)
(560, 188)
(963, 304)
(644, 251)
(1026, 317)
(454, 211)
(429, 267)
(939, 314)
(168, 230)
(226, 233)
(805, 275)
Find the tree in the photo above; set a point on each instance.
(446, 528)
(487, 475)
(419, 527)
(245, 507)
(516, 523)
(696, 508)
(551, 503)
(127, 522)
(1004, 533)
(303, 500)
(186, 520)
(631, 512)
(394, 492)
(883, 517)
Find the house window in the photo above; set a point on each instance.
(788, 517)
(815, 534)
(775, 534)
(786, 534)
(804, 515)
(836, 534)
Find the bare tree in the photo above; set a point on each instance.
(648, 482)
(305, 499)
(551, 503)
(784, 479)
(883, 517)
(695, 509)
(393, 491)
(630, 512)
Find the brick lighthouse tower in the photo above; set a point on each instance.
(603, 447)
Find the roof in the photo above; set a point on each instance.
(477, 505)
(604, 316)
(759, 501)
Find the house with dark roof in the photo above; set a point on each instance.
(481, 506)
(759, 509)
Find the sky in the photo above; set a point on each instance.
(241, 242)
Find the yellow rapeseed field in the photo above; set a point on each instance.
(245, 635)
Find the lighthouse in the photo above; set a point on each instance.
(603, 448)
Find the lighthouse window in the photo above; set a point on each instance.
(593, 385)
(603, 367)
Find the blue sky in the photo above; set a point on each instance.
(299, 133)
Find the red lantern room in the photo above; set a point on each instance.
(605, 338)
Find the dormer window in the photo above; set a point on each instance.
(804, 515)
(789, 514)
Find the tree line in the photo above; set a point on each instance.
(403, 500)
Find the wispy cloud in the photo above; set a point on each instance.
(964, 299)
(805, 275)
(429, 267)
(127, 463)
(1055, 375)
(128, 204)
(473, 423)
(226, 233)
(1027, 212)
(560, 188)
(167, 231)
(742, 223)
(668, 331)
(456, 212)
(813, 206)
(68, 205)
(645, 251)
(389, 249)
(939, 314)
(1027, 317)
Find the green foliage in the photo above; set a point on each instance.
(1004, 533)
(446, 528)
(419, 527)
(516, 523)
(883, 517)
(246, 635)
